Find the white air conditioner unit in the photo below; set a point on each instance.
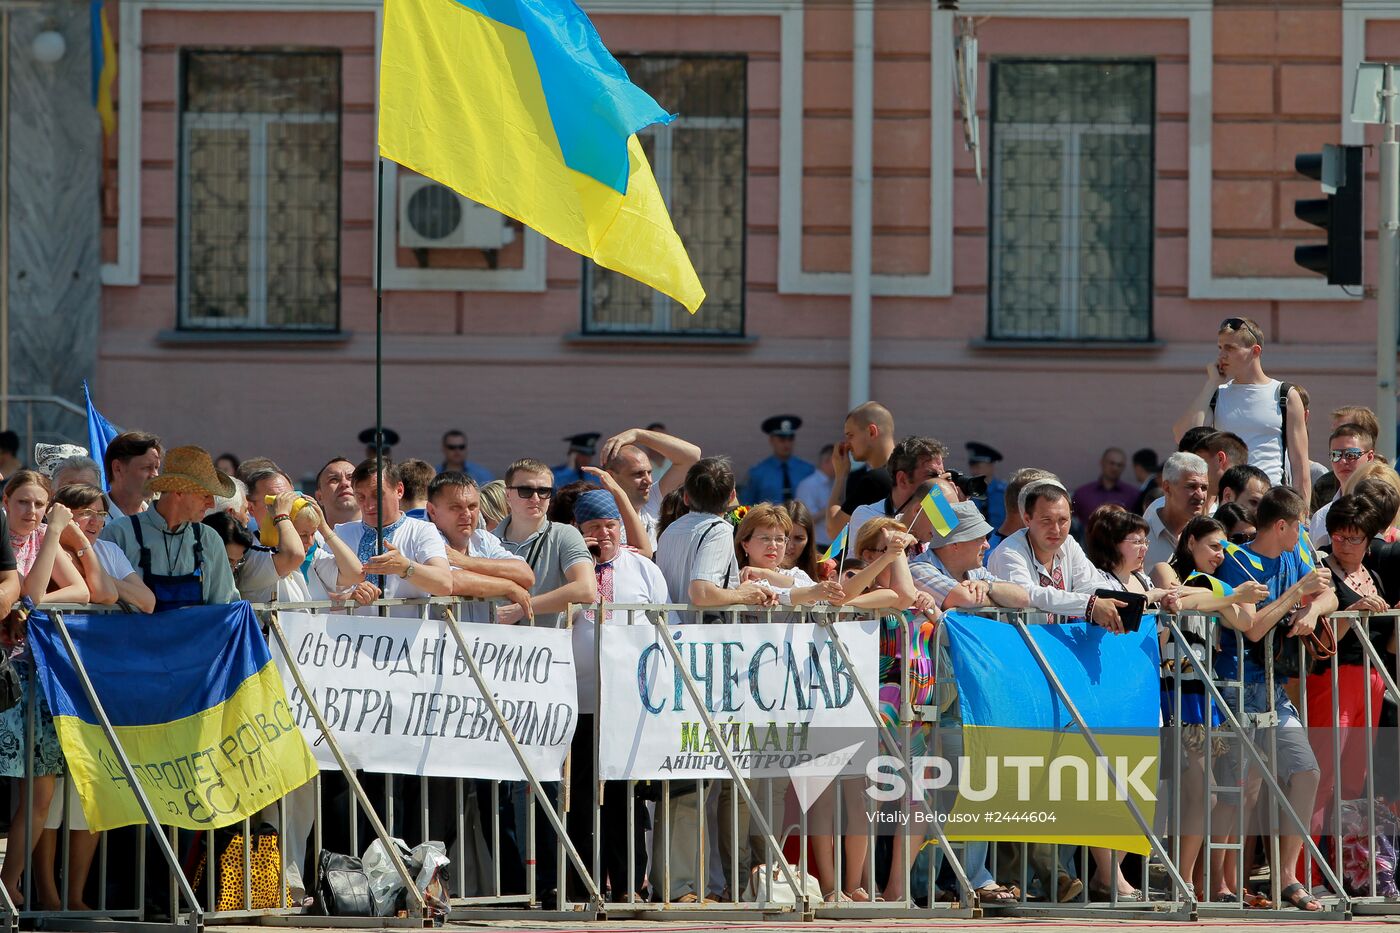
(433, 216)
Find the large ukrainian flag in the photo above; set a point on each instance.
(198, 707)
(517, 104)
(1020, 739)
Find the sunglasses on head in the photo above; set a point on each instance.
(531, 492)
(1240, 324)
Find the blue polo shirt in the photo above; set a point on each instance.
(1278, 573)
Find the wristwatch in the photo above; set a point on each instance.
(80, 552)
(408, 571)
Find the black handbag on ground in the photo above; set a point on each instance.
(343, 887)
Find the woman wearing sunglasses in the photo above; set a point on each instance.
(1351, 523)
(1239, 529)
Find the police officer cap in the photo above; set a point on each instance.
(981, 453)
(391, 437)
(586, 443)
(782, 425)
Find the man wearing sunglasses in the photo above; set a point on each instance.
(1352, 447)
(556, 553)
(1267, 414)
(454, 458)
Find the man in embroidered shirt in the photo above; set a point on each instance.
(481, 567)
(1049, 564)
(1184, 493)
(556, 553)
(630, 457)
(412, 562)
(130, 461)
(951, 570)
(1299, 596)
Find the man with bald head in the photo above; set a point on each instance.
(868, 436)
(629, 456)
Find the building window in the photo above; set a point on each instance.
(700, 164)
(260, 190)
(1071, 200)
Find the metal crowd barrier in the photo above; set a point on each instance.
(500, 841)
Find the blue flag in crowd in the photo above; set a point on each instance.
(100, 433)
(1024, 747)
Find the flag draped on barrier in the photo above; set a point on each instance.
(1028, 772)
(517, 104)
(197, 705)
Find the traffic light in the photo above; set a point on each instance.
(1339, 168)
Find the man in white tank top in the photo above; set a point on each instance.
(1238, 397)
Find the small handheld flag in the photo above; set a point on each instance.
(1305, 551)
(939, 511)
(1240, 554)
(838, 545)
(1218, 587)
(104, 66)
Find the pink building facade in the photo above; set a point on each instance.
(1137, 161)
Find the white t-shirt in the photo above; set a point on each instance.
(635, 580)
(650, 513)
(697, 546)
(417, 540)
(113, 560)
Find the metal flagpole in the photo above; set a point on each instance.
(379, 362)
(1387, 286)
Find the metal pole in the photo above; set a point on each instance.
(862, 196)
(1388, 274)
(450, 618)
(379, 365)
(274, 625)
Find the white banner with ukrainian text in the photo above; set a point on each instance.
(399, 698)
(782, 698)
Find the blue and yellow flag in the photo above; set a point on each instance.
(1240, 554)
(1029, 773)
(517, 105)
(104, 65)
(1305, 551)
(939, 511)
(1206, 581)
(837, 546)
(197, 704)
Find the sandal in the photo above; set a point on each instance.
(858, 895)
(836, 897)
(994, 894)
(1301, 898)
(1254, 901)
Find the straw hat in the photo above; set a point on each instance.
(190, 469)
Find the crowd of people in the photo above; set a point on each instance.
(1237, 521)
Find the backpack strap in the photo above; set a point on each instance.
(1214, 397)
(1283, 389)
